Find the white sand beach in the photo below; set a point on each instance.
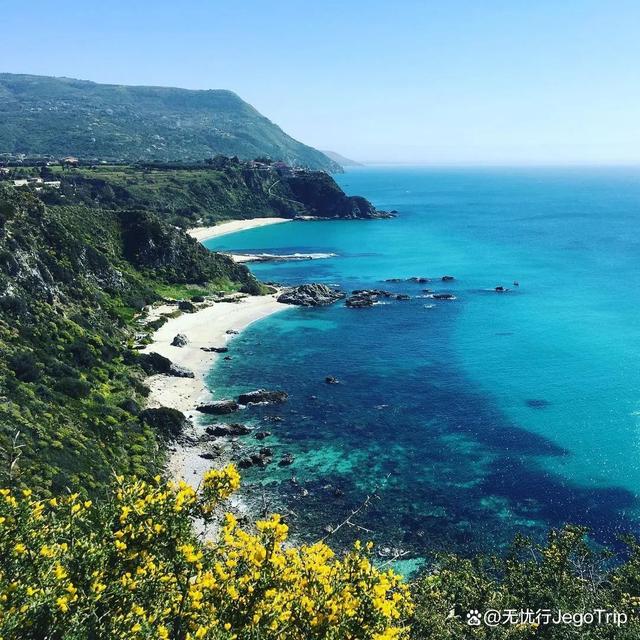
(231, 226)
(205, 328)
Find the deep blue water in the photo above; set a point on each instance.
(479, 417)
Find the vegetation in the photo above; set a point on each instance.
(566, 575)
(45, 116)
(191, 195)
(133, 568)
(71, 280)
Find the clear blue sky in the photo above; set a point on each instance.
(446, 81)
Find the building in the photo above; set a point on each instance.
(21, 183)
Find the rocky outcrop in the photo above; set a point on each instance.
(310, 295)
(180, 340)
(219, 407)
(221, 430)
(263, 396)
(154, 363)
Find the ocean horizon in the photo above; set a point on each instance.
(474, 418)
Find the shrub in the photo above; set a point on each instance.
(133, 567)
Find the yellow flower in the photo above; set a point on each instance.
(20, 549)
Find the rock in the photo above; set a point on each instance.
(208, 455)
(273, 419)
(286, 460)
(261, 435)
(359, 302)
(178, 371)
(168, 422)
(367, 293)
(215, 349)
(221, 430)
(310, 295)
(185, 305)
(261, 396)
(537, 403)
(447, 278)
(197, 298)
(500, 289)
(403, 296)
(155, 363)
(266, 451)
(393, 280)
(228, 358)
(418, 280)
(443, 296)
(427, 291)
(231, 332)
(331, 380)
(219, 407)
(180, 340)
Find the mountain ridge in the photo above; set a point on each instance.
(56, 116)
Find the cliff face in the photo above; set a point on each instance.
(71, 279)
(206, 193)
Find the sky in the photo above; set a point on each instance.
(427, 82)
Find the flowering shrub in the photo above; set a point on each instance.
(133, 567)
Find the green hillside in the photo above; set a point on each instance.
(202, 194)
(46, 116)
(71, 280)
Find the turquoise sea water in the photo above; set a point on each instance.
(478, 417)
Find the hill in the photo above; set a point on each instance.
(46, 116)
(342, 160)
(204, 193)
(71, 280)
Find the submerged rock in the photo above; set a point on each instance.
(310, 295)
(261, 435)
(403, 296)
(219, 407)
(447, 278)
(331, 380)
(180, 340)
(286, 460)
(263, 396)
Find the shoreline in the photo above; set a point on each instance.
(232, 226)
(206, 327)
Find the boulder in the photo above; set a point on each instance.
(261, 396)
(331, 380)
(185, 305)
(403, 296)
(154, 363)
(443, 296)
(215, 349)
(219, 407)
(261, 435)
(180, 340)
(447, 278)
(310, 295)
(359, 302)
(221, 430)
(197, 298)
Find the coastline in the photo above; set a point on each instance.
(232, 226)
(206, 327)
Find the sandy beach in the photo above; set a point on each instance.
(204, 233)
(205, 328)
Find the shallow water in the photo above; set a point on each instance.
(478, 417)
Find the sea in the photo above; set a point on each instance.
(455, 423)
